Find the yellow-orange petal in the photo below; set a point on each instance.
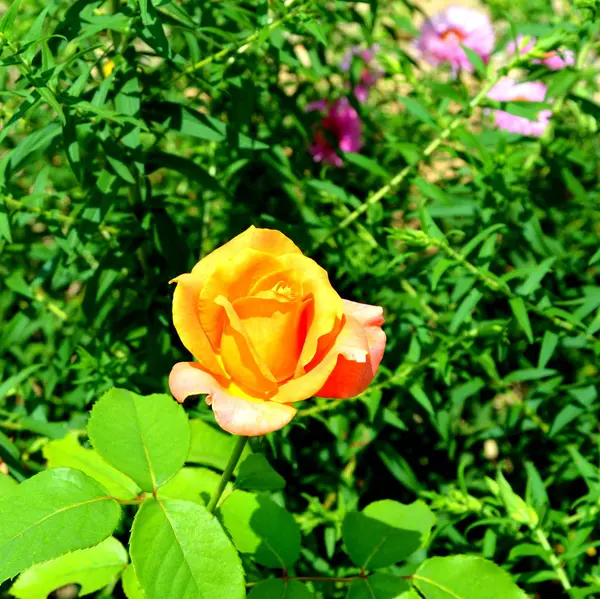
(240, 357)
(328, 306)
(268, 241)
(231, 278)
(187, 323)
(351, 376)
(237, 415)
(351, 342)
(272, 324)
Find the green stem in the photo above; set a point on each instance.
(233, 460)
(542, 539)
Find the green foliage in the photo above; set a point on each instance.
(136, 137)
(92, 569)
(129, 432)
(52, 513)
(179, 551)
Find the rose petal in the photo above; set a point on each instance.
(187, 323)
(352, 375)
(232, 278)
(240, 357)
(264, 240)
(351, 342)
(237, 415)
(328, 307)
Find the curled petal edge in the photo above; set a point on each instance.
(236, 415)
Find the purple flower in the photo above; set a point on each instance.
(508, 90)
(340, 123)
(442, 35)
(370, 73)
(554, 60)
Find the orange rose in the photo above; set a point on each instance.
(268, 329)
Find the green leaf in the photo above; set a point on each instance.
(529, 374)
(261, 528)
(275, 588)
(194, 172)
(7, 485)
(533, 281)
(180, 551)
(565, 417)
(386, 532)
(549, 343)
(193, 484)
(465, 577)
(92, 569)
(153, 33)
(379, 586)
(476, 61)
(9, 16)
(418, 110)
(5, 232)
(131, 585)
(464, 310)
(517, 509)
(69, 453)
(517, 305)
(202, 126)
(367, 164)
(256, 474)
(146, 438)
(52, 513)
(14, 381)
(210, 446)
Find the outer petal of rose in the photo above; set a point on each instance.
(351, 342)
(264, 240)
(247, 417)
(371, 318)
(187, 323)
(351, 377)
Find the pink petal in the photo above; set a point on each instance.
(237, 415)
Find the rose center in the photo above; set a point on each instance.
(452, 35)
(285, 290)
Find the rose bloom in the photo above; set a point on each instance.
(342, 123)
(267, 329)
(442, 35)
(370, 73)
(508, 90)
(555, 60)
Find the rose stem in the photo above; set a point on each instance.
(233, 460)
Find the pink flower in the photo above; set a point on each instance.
(508, 90)
(555, 60)
(442, 35)
(370, 73)
(342, 124)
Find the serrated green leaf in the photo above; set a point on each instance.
(261, 529)
(52, 513)
(386, 532)
(146, 438)
(180, 551)
(92, 569)
(465, 577)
